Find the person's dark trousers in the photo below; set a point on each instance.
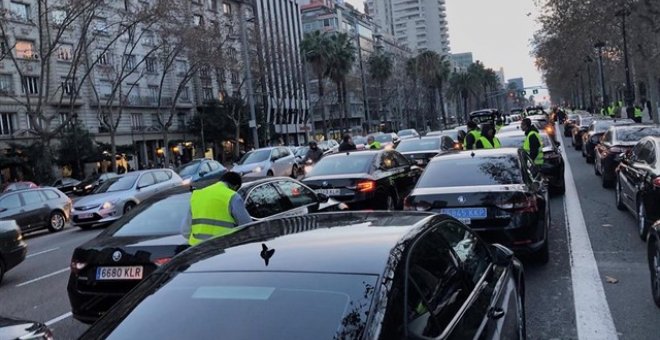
(637, 119)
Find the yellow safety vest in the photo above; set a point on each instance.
(486, 143)
(476, 135)
(375, 145)
(211, 213)
(528, 149)
(638, 113)
(610, 111)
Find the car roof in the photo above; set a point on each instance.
(475, 154)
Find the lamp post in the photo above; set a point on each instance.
(588, 61)
(599, 45)
(248, 71)
(629, 94)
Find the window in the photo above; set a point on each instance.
(264, 201)
(10, 202)
(128, 33)
(101, 25)
(136, 121)
(232, 54)
(129, 59)
(154, 120)
(6, 123)
(150, 64)
(207, 93)
(212, 5)
(105, 88)
(162, 176)
(185, 94)
(226, 8)
(25, 49)
(103, 58)
(473, 254)
(235, 78)
(148, 37)
(153, 92)
(65, 52)
(59, 15)
(64, 117)
(146, 180)
(492, 170)
(30, 85)
(68, 85)
(20, 11)
(50, 194)
(181, 120)
(181, 67)
(198, 20)
(6, 83)
(297, 194)
(163, 217)
(31, 197)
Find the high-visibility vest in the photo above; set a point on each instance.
(375, 145)
(487, 145)
(526, 146)
(638, 113)
(211, 213)
(610, 110)
(476, 134)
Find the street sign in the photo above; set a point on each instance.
(252, 123)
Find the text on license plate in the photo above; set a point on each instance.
(466, 214)
(84, 216)
(329, 192)
(119, 273)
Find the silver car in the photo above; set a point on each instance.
(273, 161)
(117, 196)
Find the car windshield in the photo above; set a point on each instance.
(423, 144)
(404, 133)
(602, 126)
(385, 138)
(353, 163)
(255, 156)
(634, 134)
(189, 169)
(474, 171)
(163, 217)
(121, 183)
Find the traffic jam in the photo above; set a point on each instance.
(384, 236)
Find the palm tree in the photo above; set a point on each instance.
(412, 71)
(461, 87)
(380, 69)
(314, 49)
(341, 57)
(433, 71)
(491, 82)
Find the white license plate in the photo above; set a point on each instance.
(119, 273)
(84, 216)
(329, 192)
(466, 221)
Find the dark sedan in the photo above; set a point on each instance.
(36, 209)
(11, 328)
(108, 266)
(617, 140)
(66, 185)
(596, 130)
(421, 150)
(569, 124)
(638, 183)
(200, 170)
(330, 276)
(499, 193)
(653, 256)
(365, 179)
(12, 247)
(580, 127)
(89, 184)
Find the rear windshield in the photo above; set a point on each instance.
(453, 134)
(343, 164)
(636, 133)
(253, 305)
(406, 133)
(516, 141)
(451, 172)
(409, 145)
(164, 217)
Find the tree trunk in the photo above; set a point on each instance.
(166, 141)
(465, 108)
(442, 104)
(113, 142)
(323, 107)
(652, 90)
(344, 94)
(380, 101)
(340, 104)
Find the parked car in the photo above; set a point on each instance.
(66, 184)
(581, 126)
(344, 276)
(377, 179)
(653, 256)
(20, 186)
(117, 196)
(329, 145)
(420, 151)
(617, 140)
(12, 248)
(569, 124)
(89, 184)
(36, 209)
(408, 133)
(201, 169)
(272, 161)
(499, 193)
(596, 130)
(638, 183)
(152, 234)
(11, 328)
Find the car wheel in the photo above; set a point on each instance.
(617, 193)
(642, 225)
(57, 221)
(654, 265)
(270, 173)
(128, 207)
(294, 171)
(522, 319)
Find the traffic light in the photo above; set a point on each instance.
(535, 91)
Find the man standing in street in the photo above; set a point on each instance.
(217, 210)
(472, 136)
(638, 114)
(372, 143)
(487, 139)
(347, 144)
(533, 143)
(314, 154)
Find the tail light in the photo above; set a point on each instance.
(522, 202)
(458, 146)
(161, 261)
(549, 130)
(366, 186)
(656, 182)
(77, 266)
(617, 150)
(418, 206)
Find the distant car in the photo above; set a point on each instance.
(653, 256)
(421, 150)
(12, 248)
(89, 184)
(483, 116)
(386, 139)
(36, 209)
(596, 130)
(66, 184)
(152, 234)
(581, 126)
(374, 179)
(330, 276)
(119, 195)
(569, 124)
(452, 133)
(11, 328)
(20, 186)
(408, 133)
(201, 169)
(272, 161)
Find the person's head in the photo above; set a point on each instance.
(232, 179)
(347, 138)
(461, 135)
(370, 139)
(313, 145)
(488, 130)
(526, 124)
(472, 125)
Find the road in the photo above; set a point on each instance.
(590, 243)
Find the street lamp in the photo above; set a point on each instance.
(248, 70)
(599, 45)
(629, 93)
(588, 61)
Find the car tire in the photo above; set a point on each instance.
(56, 222)
(128, 207)
(617, 195)
(294, 172)
(642, 223)
(654, 266)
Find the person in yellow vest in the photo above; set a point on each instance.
(487, 139)
(472, 136)
(373, 144)
(217, 210)
(533, 143)
(638, 114)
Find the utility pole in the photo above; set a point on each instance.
(588, 61)
(599, 45)
(248, 72)
(629, 95)
(362, 76)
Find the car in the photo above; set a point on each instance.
(553, 162)
(152, 234)
(408, 133)
(617, 140)
(653, 256)
(329, 145)
(12, 247)
(638, 183)
(66, 185)
(20, 186)
(453, 134)
(581, 126)
(374, 179)
(117, 196)
(596, 130)
(342, 275)
(421, 150)
(36, 209)
(483, 116)
(386, 139)
(89, 184)
(271, 161)
(499, 193)
(536, 110)
(569, 124)
(11, 328)
(201, 169)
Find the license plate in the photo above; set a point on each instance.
(119, 273)
(420, 161)
(329, 192)
(466, 215)
(84, 216)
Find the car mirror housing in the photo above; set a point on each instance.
(202, 173)
(323, 198)
(502, 256)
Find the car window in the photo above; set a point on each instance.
(284, 152)
(161, 176)
(206, 167)
(32, 197)
(214, 165)
(10, 202)
(264, 200)
(343, 164)
(275, 154)
(607, 138)
(388, 161)
(146, 180)
(492, 170)
(651, 156)
(472, 254)
(57, 183)
(643, 152)
(298, 194)
(401, 160)
(50, 194)
(163, 217)
(422, 144)
(447, 143)
(189, 169)
(633, 134)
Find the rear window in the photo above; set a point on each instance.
(50, 194)
(496, 170)
(343, 164)
(585, 121)
(164, 217)
(253, 305)
(635, 134)
(516, 141)
(409, 145)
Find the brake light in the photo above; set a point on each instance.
(161, 261)
(77, 266)
(656, 182)
(366, 186)
(549, 129)
(525, 203)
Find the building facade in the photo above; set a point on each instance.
(461, 61)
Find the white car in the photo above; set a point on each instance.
(272, 161)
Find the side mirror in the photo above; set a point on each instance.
(502, 256)
(323, 198)
(273, 158)
(202, 173)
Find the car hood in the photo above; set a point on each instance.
(98, 199)
(245, 168)
(15, 329)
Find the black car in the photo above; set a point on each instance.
(569, 124)
(483, 116)
(11, 328)
(596, 130)
(581, 125)
(638, 183)
(66, 185)
(365, 179)
(499, 193)
(12, 247)
(36, 209)
(108, 266)
(330, 276)
(201, 170)
(653, 255)
(421, 150)
(89, 184)
(553, 162)
(618, 140)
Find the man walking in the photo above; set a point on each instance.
(533, 143)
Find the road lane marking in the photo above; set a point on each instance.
(58, 319)
(43, 277)
(42, 252)
(592, 313)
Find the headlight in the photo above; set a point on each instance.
(257, 170)
(186, 181)
(88, 186)
(107, 205)
(308, 168)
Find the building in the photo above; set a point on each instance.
(417, 24)
(461, 61)
(501, 78)
(517, 82)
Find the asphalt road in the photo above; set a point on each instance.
(36, 290)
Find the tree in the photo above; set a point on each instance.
(380, 69)
(76, 148)
(461, 87)
(341, 57)
(314, 49)
(432, 70)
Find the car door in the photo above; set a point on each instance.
(264, 201)
(162, 180)
(406, 175)
(640, 171)
(36, 209)
(146, 186)
(274, 165)
(301, 198)
(285, 162)
(627, 176)
(11, 207)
